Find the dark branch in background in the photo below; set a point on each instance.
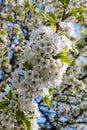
(83, 77)
(64, 124)
(47, 120)
(64, 11)
(63, 17)
(74, 115)
(57, 27)
(66, 88)
(73, 123)
(46, 116)
(73, 61)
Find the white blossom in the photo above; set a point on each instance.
(47, 72)
(68, 27)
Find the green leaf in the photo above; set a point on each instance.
(51, 91)
(85, 68)
(10, 93)
(27, 124)
(9, 17)
(65, 59)
(79, 46)
(19, 35)
(56, 57)
(85, 80)
(64, 2)
(3, 31)
(77, 11)
(53, 27)
(17, 29)
(19, 116)
(49, 16)
(0, 121)
(80, 18)
(84, 31)
(28, 5)
(28, 65)
(63, 53)
(4, 104)
(85, 95)
(49, 23)
(47, 101)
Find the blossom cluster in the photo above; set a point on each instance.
(45, 72)
(18, 104)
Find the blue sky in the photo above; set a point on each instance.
(77, 28)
